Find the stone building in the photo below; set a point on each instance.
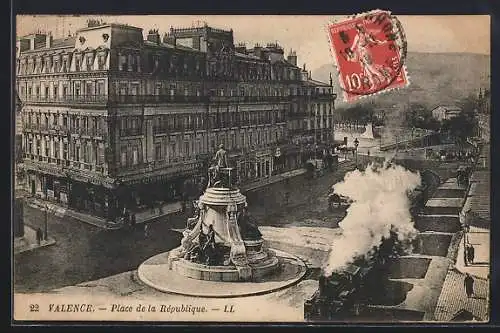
(443, 112)
(113, 121)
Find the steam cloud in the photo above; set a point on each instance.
(380, 204)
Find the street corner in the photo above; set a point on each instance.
(32, 239)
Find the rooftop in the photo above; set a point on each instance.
(312, 82)
(170, 46)
(448, 107)
(247, 56)
(64, 42)
(113, 25)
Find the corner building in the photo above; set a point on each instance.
(112, 121)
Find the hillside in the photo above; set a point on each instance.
(435, 78)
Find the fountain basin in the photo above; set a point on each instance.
(198, 271)
(155, 273)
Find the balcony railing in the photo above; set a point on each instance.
(132, 99)
(93, 132)
(152, 99)
(64, 130)
(130, 132)
(80, 99)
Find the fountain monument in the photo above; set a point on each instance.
(222, 243)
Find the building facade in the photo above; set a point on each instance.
(115, 122)
(445, 112)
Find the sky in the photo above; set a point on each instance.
(304, 34)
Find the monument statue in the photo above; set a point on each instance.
(222, 234)
(248, 227)
(220, 174)
(220, 157)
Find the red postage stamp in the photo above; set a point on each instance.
(370, 52)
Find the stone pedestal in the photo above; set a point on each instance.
(232, 258)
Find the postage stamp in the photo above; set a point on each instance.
(369, 51)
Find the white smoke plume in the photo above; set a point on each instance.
(380, 204)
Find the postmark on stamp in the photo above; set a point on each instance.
(369, 51)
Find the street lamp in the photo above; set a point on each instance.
(356, 144)
(277, 155)
(46, 222)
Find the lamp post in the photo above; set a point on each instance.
(356, 144)
(46, 224)
(277, 155)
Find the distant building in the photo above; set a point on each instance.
(445, 112)
(484, 101)
(483, 115)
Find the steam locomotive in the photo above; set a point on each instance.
(342, 294)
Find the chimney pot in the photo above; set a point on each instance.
(48, 41)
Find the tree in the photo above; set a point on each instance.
(418, 116)
(461, 127)
(360, 114)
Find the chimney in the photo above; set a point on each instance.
(153, 36)
(241, 48)
(257, 50)
(48, 41)
(292, 58)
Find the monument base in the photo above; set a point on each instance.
(155, 272)
(261, 262)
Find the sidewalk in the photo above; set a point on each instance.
(28, 242)
(272, 179)
(286, 175)
(480, 239)
(141, 217)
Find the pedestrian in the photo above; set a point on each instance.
(469, 285)
(466, 257)
(127, 217)
(471, 254)
(132, 219)
(38, 235)
(146, 231)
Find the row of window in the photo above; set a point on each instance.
(185, 65)
(170, 151)
(86, 152)
(46, 89)
(72, 123)
(62, 63)
(188, 122)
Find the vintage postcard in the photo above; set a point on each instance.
(252, 168)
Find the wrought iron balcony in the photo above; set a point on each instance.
(130, 132)
(77, 99)
(153, 99)
(65, 130)
(146, 99)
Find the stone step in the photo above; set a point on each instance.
(439, 223)
(430, 210)
(449, 193)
